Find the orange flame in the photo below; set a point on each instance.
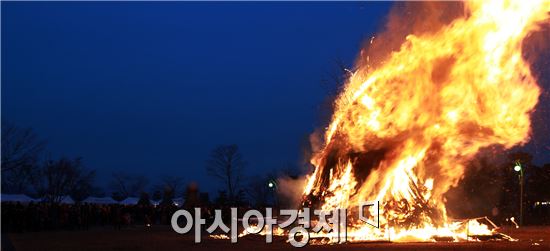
(427, 110)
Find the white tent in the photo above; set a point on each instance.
(99, 200)
(178, 201)
(130, 201)
(67, 200)
(17, 198)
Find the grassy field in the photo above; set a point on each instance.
(163, 238)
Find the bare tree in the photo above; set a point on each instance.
(170, 187)
(259, 192)
(173, 183)
(20, 153)
(226, 163)
(127, 185)
(20, 147)
(18, 180)
(57, 179)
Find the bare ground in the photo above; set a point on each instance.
(163, 238)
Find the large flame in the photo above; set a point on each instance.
(402, 132)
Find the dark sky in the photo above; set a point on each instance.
(151, 88)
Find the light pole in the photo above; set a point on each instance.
(272, 184)
(518, 168)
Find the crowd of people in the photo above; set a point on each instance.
(42, 216)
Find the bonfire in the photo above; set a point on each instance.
(405, 128)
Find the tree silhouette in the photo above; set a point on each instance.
(57, 179)
(20, 147)
(226, 163)
(170, 187)
(125, 185)
(259, 192)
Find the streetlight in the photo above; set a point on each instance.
(272, 184)
(518, 168)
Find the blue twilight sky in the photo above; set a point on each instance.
(151, 88)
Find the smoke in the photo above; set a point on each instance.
(290, 191)
(407, 18)
(537, 51)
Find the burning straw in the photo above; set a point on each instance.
(407, 123)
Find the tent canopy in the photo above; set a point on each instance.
(130, 201)
(17, 198)
(99, 200)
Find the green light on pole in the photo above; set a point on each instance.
(519, 169)
(272, 184)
